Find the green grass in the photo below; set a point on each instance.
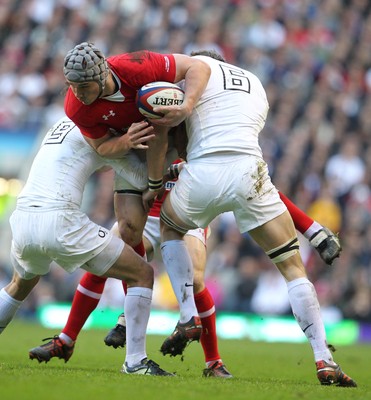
(261, 371)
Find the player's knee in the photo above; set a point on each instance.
(142, 277)
(149, 277)
(132, 269)
(130, 232)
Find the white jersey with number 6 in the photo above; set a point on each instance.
(230, 114)
(225, 169)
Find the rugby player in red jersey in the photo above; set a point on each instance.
(100, 100)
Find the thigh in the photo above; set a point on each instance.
(192, 203)
(79, 241)
(38, 264)
(276, 234)
(130, 173)
(106, 257)
(199, 233)
(28, 256)
(256, 199)
(67, 237)
(130, 216)
(131, 268)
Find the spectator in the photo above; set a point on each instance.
(313, 58)
(346, 168)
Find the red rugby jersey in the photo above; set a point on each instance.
(156, 207)
(134, 70)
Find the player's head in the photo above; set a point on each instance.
(86, 63)
(208, 53)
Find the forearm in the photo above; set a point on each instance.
(196, 76)
(115, 147)
(137, 136)
(156, 154)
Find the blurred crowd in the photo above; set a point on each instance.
(314, 59)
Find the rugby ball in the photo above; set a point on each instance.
(156, 94)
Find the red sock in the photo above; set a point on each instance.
(85, 300)
(140, 249)
(301, 220)
(206, 310)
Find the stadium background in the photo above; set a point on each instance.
(314, 58)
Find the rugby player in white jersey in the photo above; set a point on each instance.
(91, 287)
(48, 225)
(225, 171)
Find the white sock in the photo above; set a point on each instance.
(8, 308)
(179, 267)
(65, 338)
(306, 309)
(315, 227)
(137, 307)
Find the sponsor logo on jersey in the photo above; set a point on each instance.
(110, 114)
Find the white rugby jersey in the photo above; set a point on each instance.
(61, 168)
(230, 113)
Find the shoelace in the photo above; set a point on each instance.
(54, 339)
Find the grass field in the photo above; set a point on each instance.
(261, 371)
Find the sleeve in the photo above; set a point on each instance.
(164, 67)
(98, 132)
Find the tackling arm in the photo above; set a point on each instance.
(196, 75)
(156, 158)
(110, 146)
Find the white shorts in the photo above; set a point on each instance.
(152, 232)
(131, 174)
(68, 237)
(213, 185)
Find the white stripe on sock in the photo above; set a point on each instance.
(88, 293)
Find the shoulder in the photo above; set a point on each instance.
(140, 60)
(136, 57)
(137, 67)
(130, 61)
